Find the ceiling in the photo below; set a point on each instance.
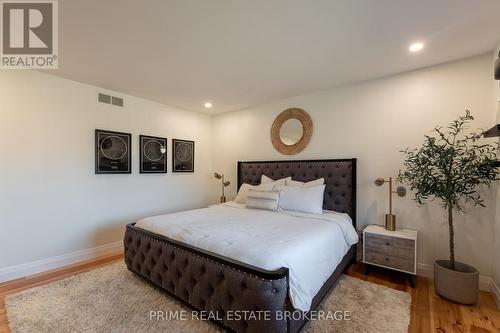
(241, 53)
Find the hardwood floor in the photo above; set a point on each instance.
(47, 277)
(429, 312)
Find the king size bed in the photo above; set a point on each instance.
(228, 259)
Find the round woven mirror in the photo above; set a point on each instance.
(291, 131)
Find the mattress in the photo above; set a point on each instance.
(309, 245)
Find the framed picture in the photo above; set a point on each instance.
(182, 155)
(153, 154)
(112, 152)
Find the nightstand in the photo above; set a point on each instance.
(396, 250)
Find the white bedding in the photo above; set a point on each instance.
(309, 245)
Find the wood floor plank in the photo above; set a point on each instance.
(21, 284)
(429, 312)
(420, 320)
(478, 315)
(56, 274)
(4, 325)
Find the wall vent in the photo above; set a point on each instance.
(116, 101)
(103, 98)
(108, 99)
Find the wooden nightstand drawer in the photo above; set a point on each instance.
(373, 240)
(404, 264)
(393, 251)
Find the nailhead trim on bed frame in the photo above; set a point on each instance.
(339, 175)
(223, 284)
(210, 260)
(204, 283)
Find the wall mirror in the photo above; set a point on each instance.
(291, 131)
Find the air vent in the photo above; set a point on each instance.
(117, 101)
(103, 98)
(107, 99)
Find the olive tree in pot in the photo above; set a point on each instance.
(450, 166)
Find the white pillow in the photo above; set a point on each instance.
(241, 197)
(302, 199)
(266, 180)
(316, 182)
(263, 199)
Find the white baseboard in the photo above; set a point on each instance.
(43, 265)
(426, 270)
(495, 291)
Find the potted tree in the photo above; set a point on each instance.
(450, 166)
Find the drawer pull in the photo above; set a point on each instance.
(386, 259)
(387, 244)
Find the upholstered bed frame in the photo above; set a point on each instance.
(217, 285)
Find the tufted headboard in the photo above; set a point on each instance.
(340, 178)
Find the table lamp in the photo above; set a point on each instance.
(224, 184)
(390, 219)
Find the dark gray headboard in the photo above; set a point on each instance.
(340, 178)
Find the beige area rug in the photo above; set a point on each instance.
(112, 299)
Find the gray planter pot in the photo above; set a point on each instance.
(460, 285)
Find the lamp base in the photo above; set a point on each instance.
(222, 199)
(390, 222)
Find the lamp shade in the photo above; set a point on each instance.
(401, 191)
(379, 181)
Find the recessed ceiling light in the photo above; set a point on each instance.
(415, 47)
(208, 105)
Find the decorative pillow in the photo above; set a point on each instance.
(302, 198)
(266, 180)
(263, 199)
(316, 182)
(241, 197)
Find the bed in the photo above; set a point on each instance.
(205, 278)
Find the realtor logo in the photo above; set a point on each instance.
(29, 34)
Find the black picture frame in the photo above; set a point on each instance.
(182, 155)
(151, 159)
(113, 161)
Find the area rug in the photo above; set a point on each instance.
(112, 299)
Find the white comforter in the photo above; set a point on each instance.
(309, 245)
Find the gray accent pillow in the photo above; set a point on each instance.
(268, 200)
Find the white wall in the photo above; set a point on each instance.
(51, 202)
(372, 121)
